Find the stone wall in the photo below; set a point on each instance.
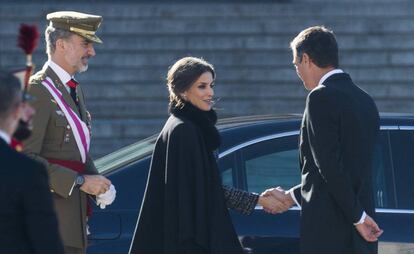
(248, 43)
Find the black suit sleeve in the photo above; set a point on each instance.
(324, 123)
(39, 215)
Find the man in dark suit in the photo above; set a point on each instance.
(339, 129)
(28, 222)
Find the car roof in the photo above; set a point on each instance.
(237, 130)
(240, 121)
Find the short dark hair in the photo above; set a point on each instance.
(183, 74)
(10, 93)
(52, 35)
(319, 43)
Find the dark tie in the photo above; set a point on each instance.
(73, 84)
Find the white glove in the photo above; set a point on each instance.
(106, 198)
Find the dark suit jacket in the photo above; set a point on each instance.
(28, 222)
(339, 129)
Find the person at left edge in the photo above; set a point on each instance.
(60, 137)
(28, 223)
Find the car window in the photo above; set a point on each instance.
(126, 155)
(227, 166)
(382, 177)
(402, 145)
(271, 163)
(276, 163)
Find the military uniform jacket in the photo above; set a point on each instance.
(339, 129)
(52, 138)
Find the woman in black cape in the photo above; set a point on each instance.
(185, 208)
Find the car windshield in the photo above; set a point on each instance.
(145, 147)
(126, 155)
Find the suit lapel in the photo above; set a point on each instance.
(302, 139)
(59, 85)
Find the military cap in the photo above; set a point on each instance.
(79, 23)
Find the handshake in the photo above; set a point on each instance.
(275, 200)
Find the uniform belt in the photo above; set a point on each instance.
(74, 165)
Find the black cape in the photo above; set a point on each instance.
(184, 210)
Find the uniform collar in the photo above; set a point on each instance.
(60, 72)
(5, 137)
(328, 74)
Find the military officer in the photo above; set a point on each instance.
(61, 136)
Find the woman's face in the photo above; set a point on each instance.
(201, 92)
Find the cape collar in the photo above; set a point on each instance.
(205, 120)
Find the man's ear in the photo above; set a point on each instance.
(305, 58)
(60, 44)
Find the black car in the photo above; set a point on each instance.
(257, 153)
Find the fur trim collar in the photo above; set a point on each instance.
(205, 120)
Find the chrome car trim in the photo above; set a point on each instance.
(291, 133)
(389, 127)
(257, 140)
(384, 210)
(295, 208)
(406, 128)
(378, 210)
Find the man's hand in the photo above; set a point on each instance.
(369, 230)
(275, 200)
(95, 184)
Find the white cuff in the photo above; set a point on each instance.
(362, 220)
(292, 195)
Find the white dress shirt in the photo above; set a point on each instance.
(61, 73)
(5, 137)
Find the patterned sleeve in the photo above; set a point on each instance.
(239, 200)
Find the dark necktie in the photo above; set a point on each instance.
(72, 85)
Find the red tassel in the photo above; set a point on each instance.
(28, 38)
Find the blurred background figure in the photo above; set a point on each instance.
(28, 223)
